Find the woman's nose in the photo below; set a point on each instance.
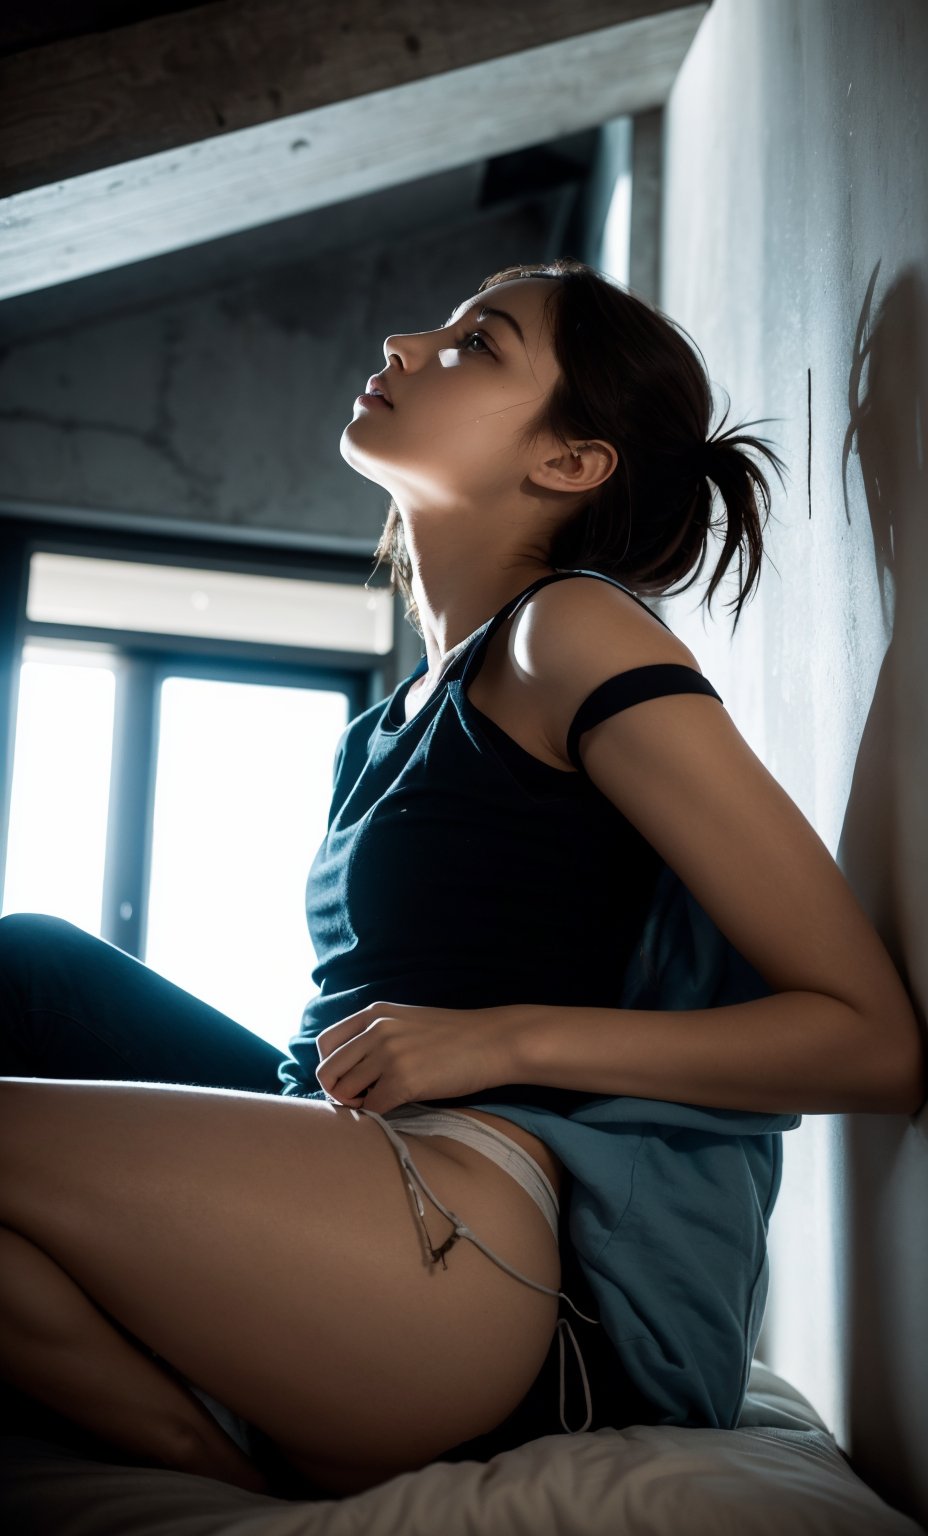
(395, 346)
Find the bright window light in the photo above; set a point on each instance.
(230, 605)
(60, 791)
(244, 782)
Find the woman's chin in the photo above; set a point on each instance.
(351, 450)
(361, 462)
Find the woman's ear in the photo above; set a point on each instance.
(580, 467)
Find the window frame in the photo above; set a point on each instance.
(142, 660)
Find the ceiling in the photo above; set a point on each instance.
(154, 148)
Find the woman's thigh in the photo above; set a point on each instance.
(73, 1005)
(269, 1250)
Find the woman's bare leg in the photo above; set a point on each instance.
(268, 1250)
(58, 1346)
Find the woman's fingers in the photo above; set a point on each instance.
(337, 1067)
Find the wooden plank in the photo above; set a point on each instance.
(51, 21)
(346, 149)
(89, 102)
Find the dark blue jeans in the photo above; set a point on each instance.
(72, 1005)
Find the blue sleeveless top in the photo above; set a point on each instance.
(458, 870)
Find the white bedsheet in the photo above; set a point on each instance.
(779, 1472)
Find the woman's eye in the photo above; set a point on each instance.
(474, 336)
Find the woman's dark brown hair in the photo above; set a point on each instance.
(633, 377)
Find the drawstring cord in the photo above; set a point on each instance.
(563, 1323)
(462, 1230)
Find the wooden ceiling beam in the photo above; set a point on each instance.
(192, 126)
(189, 76)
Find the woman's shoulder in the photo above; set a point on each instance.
(573, 635)
(586, 627)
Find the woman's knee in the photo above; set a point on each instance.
(23, 933)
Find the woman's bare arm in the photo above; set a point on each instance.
(840, 1033)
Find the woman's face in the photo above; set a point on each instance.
(461, 395)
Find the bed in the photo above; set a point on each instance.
(780, 1470)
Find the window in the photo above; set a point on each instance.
(242, 787)
(175, 732)
(61, 785)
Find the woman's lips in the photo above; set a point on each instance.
(372, 401)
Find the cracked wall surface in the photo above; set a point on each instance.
(223, 409)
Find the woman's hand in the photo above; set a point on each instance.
(391, 1053)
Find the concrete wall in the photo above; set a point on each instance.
(794, 251)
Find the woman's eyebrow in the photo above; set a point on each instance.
(500, 313)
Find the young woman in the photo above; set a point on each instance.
(495, 830)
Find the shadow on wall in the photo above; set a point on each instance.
(883, 851)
